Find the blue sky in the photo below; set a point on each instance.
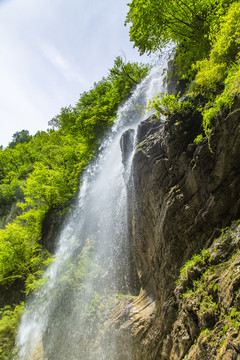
(53, 50)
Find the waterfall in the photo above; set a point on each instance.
(93, 264)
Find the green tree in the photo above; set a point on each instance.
(19, 137)
(131, 71)
(96, 109)
(217, 76)
(187, 23)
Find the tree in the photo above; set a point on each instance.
(97, 108)
(185, 22)
(128, 70)
(218, 76)
(19, 137)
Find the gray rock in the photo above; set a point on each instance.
(126, 144)
(180, 194)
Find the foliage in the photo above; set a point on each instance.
(19, 137)
(211, 286)
(224, 99)
(196, 259)
(167, 104)
(207, 35)
(48, 186)
(9, 320)
(187, 23)
(126, 71)
(36, 165)
(20, 252)
(97, 108)
(217, 77)
(7, 197)
(198, 139)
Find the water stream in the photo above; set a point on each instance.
(92, 260)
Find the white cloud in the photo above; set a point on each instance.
(67, 67)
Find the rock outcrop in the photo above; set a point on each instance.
(126, 144)
(181, 194)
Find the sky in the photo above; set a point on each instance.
(53, 50)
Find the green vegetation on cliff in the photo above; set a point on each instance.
(9, 320)
(192, 25)
(207, 54)
(208, 292)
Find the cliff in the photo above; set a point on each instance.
(183, 211)
(181, 195)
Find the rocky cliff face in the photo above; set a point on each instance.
(184, 205)
(180, 196)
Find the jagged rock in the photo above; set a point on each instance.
(126, 144)
(180, 195)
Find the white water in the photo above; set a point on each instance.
(93, 259)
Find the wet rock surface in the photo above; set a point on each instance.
(181, 194)
(126, 144)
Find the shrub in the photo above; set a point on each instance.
(9, 321)
(167, 104)
(217, 77)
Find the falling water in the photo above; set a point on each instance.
(92, 261)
